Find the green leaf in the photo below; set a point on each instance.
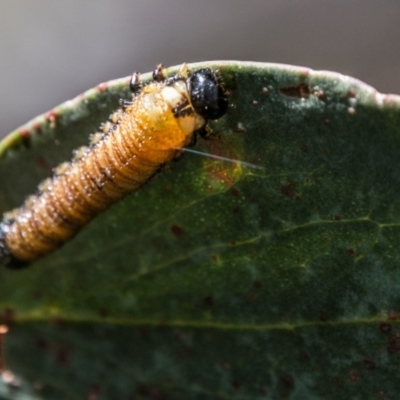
(276, 279)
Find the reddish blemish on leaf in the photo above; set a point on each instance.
(324, 316)
(251, 298)
(177, 231)
(394, 344)
(209, 301)
(304, 357)
(57, 322)
(215, 258)
(319, 93)
(392, 316)
(351, 93)
(288, 381)
(7, 317)
(94, 392)
(25, 134)
(337, 217)
(351, 251)
(236, 384)
(51, 118)
(304, 148)
(103, 313)
(102, 86)
(63, 356)
(257, 284)
(301, 91)
(42, 163)
(385, 327)
(234, 192)
(369, 363)
(42, 344)
(353, 375)
(288, 190)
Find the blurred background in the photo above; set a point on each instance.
(51, 50)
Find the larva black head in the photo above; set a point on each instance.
(207, 95)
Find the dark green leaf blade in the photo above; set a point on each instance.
(272, 279)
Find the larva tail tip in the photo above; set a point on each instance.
(6, 258)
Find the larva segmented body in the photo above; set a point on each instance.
(164, 116)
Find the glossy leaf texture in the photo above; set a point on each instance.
(272, 275)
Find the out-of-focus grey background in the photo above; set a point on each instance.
(53, 50)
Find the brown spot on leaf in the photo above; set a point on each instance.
(236, 384)
(304, 357)
(94, 392)
(288, 381)
(42, 163)
(57, 322)
(51, 118)
(319, 93)
(251, 298)
(369, 363)
(234, 192)
(385, 327)
(353, 375)
(351, 251)
(102, 86)
(177, 231)
(327, 121)
(7, 317)
(42, 344)
(209, 301)
(257, 284)
(63, 356)
(337, 217)
(214, 258)
(301, 91)
(37, 127)
(26, 137)
(304, 148)
(351, 93)
(324, 316)
(288, 190)
(394, 344)
(392, 315)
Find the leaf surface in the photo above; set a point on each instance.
(276, 277)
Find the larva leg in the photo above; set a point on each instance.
(183, 71)
(135, 84)
(6, 258)
(206, 133)
(159, 74)
(124, 103)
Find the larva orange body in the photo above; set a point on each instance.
(147, 133)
